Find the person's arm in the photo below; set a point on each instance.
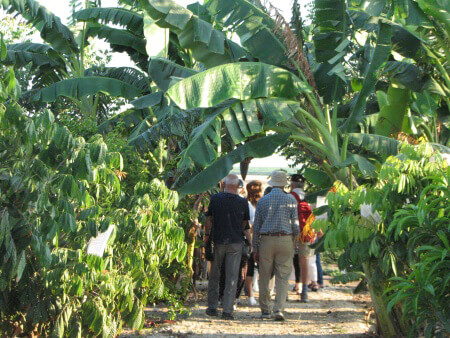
(295, 223)
(208, 228)
(256, 231)
(247, 234)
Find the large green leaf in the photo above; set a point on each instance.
(120, 16)
(157, 38)
(365, 167)
(147, 100)
(130, 117)
(391, 116)
(128, 75)
(379, 57)
(164, 72)
(242, 81)
(122, 40)
(241, 119)
(172, 123)
(407, 74)
(37, 54)
(403, 41)
(116, 36)
(255, 28)
(330, 44)
(318, 178)
(438, 10)
(207, 44)
(50, 26)
(376, 144)
(206, 179)
(81, 87)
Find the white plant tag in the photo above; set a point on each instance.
(321, 201)
(97, 245)
(366, 212)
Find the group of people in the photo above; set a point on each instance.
(269, 228)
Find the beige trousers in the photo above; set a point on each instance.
(275, 254)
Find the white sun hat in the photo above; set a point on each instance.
(278, 178)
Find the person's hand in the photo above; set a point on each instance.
(256, 256)
(251, 249)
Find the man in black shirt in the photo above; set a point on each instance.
(227, 222)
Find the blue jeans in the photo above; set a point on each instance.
(319, 270)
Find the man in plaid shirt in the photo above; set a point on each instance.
(275, 232)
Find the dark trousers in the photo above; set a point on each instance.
(228, 255)
(296, 268)
(242, 274)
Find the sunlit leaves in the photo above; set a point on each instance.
(62, 192)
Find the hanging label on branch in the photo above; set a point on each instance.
(97, 245)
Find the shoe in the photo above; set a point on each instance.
(266, 315)
(227, 316)
(304, 298)
(252, 301)
(279, 316)
(212, 312)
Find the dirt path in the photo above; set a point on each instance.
(332, 312)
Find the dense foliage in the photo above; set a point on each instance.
(401, 224)
(58, 191)
(339, 94)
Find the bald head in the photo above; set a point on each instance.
(231, 183)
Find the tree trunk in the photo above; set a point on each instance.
(389, 324)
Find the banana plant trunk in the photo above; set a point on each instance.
(390, 324)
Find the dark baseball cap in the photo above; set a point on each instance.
(297, 178)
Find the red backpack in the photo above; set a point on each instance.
(304, 211)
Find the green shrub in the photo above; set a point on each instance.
(56, 193)
(405, 247)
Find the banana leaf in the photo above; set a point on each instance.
(129, 75)
(392, 114)
(147, 100)
(242, 81)
(81, 87)
(50, 26)
(379, 57)
(439, 10)
(254, 27)
(164, 72)
(131, 20)
(376, 144)
(210, 176)
(208, 45)
(116, 36)
(21, 54)
(331, 46)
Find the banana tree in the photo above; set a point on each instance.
(60, 66)
(297, 97)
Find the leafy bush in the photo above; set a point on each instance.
(403, 245)
(56, 192)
